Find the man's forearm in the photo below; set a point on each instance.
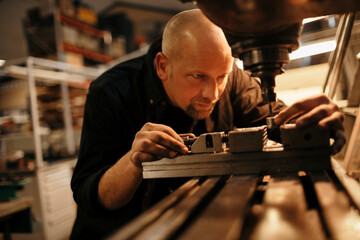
(118, 184)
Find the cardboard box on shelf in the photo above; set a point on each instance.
(66, 7)
(74, 59)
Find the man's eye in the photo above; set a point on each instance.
(198, 76)
(221, 78)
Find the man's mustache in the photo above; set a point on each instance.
(205, 101)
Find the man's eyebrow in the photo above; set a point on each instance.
(196, 71)
(226, 73)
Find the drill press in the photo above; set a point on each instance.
(265, 56)
(263, 33)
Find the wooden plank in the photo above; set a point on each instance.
(350, 184)
(171, 221)
(283, 213)
(224, 217)
(341, 218)
(239, 163)
(17, 205)
(352, 155)
(354, 93)
(150, 216)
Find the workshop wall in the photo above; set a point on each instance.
(12, 13)
(12, 40)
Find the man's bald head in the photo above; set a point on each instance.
(194, 64)
(190, 27)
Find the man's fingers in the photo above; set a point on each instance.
(155, 141)
(150, 140)
(316, 115)
(318, 110)
(286, 115)
(333, 122)
(162, 135)
(155, 149)
(339, 142)
(299, 108)
(164, 139)
(162, 128)
(190, 135)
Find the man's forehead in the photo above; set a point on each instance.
(207, 67)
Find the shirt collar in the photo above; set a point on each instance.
(154, 90)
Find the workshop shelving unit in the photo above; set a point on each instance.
(91, 44)
(69, 40)
(67, 87)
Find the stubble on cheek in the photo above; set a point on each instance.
(196, 113)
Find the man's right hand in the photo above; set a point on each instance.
(155, 141)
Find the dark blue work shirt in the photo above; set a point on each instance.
(118, 104)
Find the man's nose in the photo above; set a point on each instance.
(211, 90)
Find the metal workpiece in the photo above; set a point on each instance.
(209, 142)
(310, 137)
(273, 129)
(270, 123)
(247, 139)
(189, 141)
(238, 140)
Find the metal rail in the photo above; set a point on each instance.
(337, 58)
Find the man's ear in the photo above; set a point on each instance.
(162, 66)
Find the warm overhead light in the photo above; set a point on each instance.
(305, 51)
(313, 19)
(313, 49)
(239, 63)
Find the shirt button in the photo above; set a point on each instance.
(151, 101)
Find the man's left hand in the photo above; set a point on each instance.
(318, 110)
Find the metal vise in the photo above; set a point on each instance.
(248, 151)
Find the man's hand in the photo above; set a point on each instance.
(318, 110)
(155, 141)
(119, 183)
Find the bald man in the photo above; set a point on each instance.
(135, 112)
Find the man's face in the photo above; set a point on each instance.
(197, 79)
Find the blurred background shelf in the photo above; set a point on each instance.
(40, 136)
(92, 55)
(81, 26)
